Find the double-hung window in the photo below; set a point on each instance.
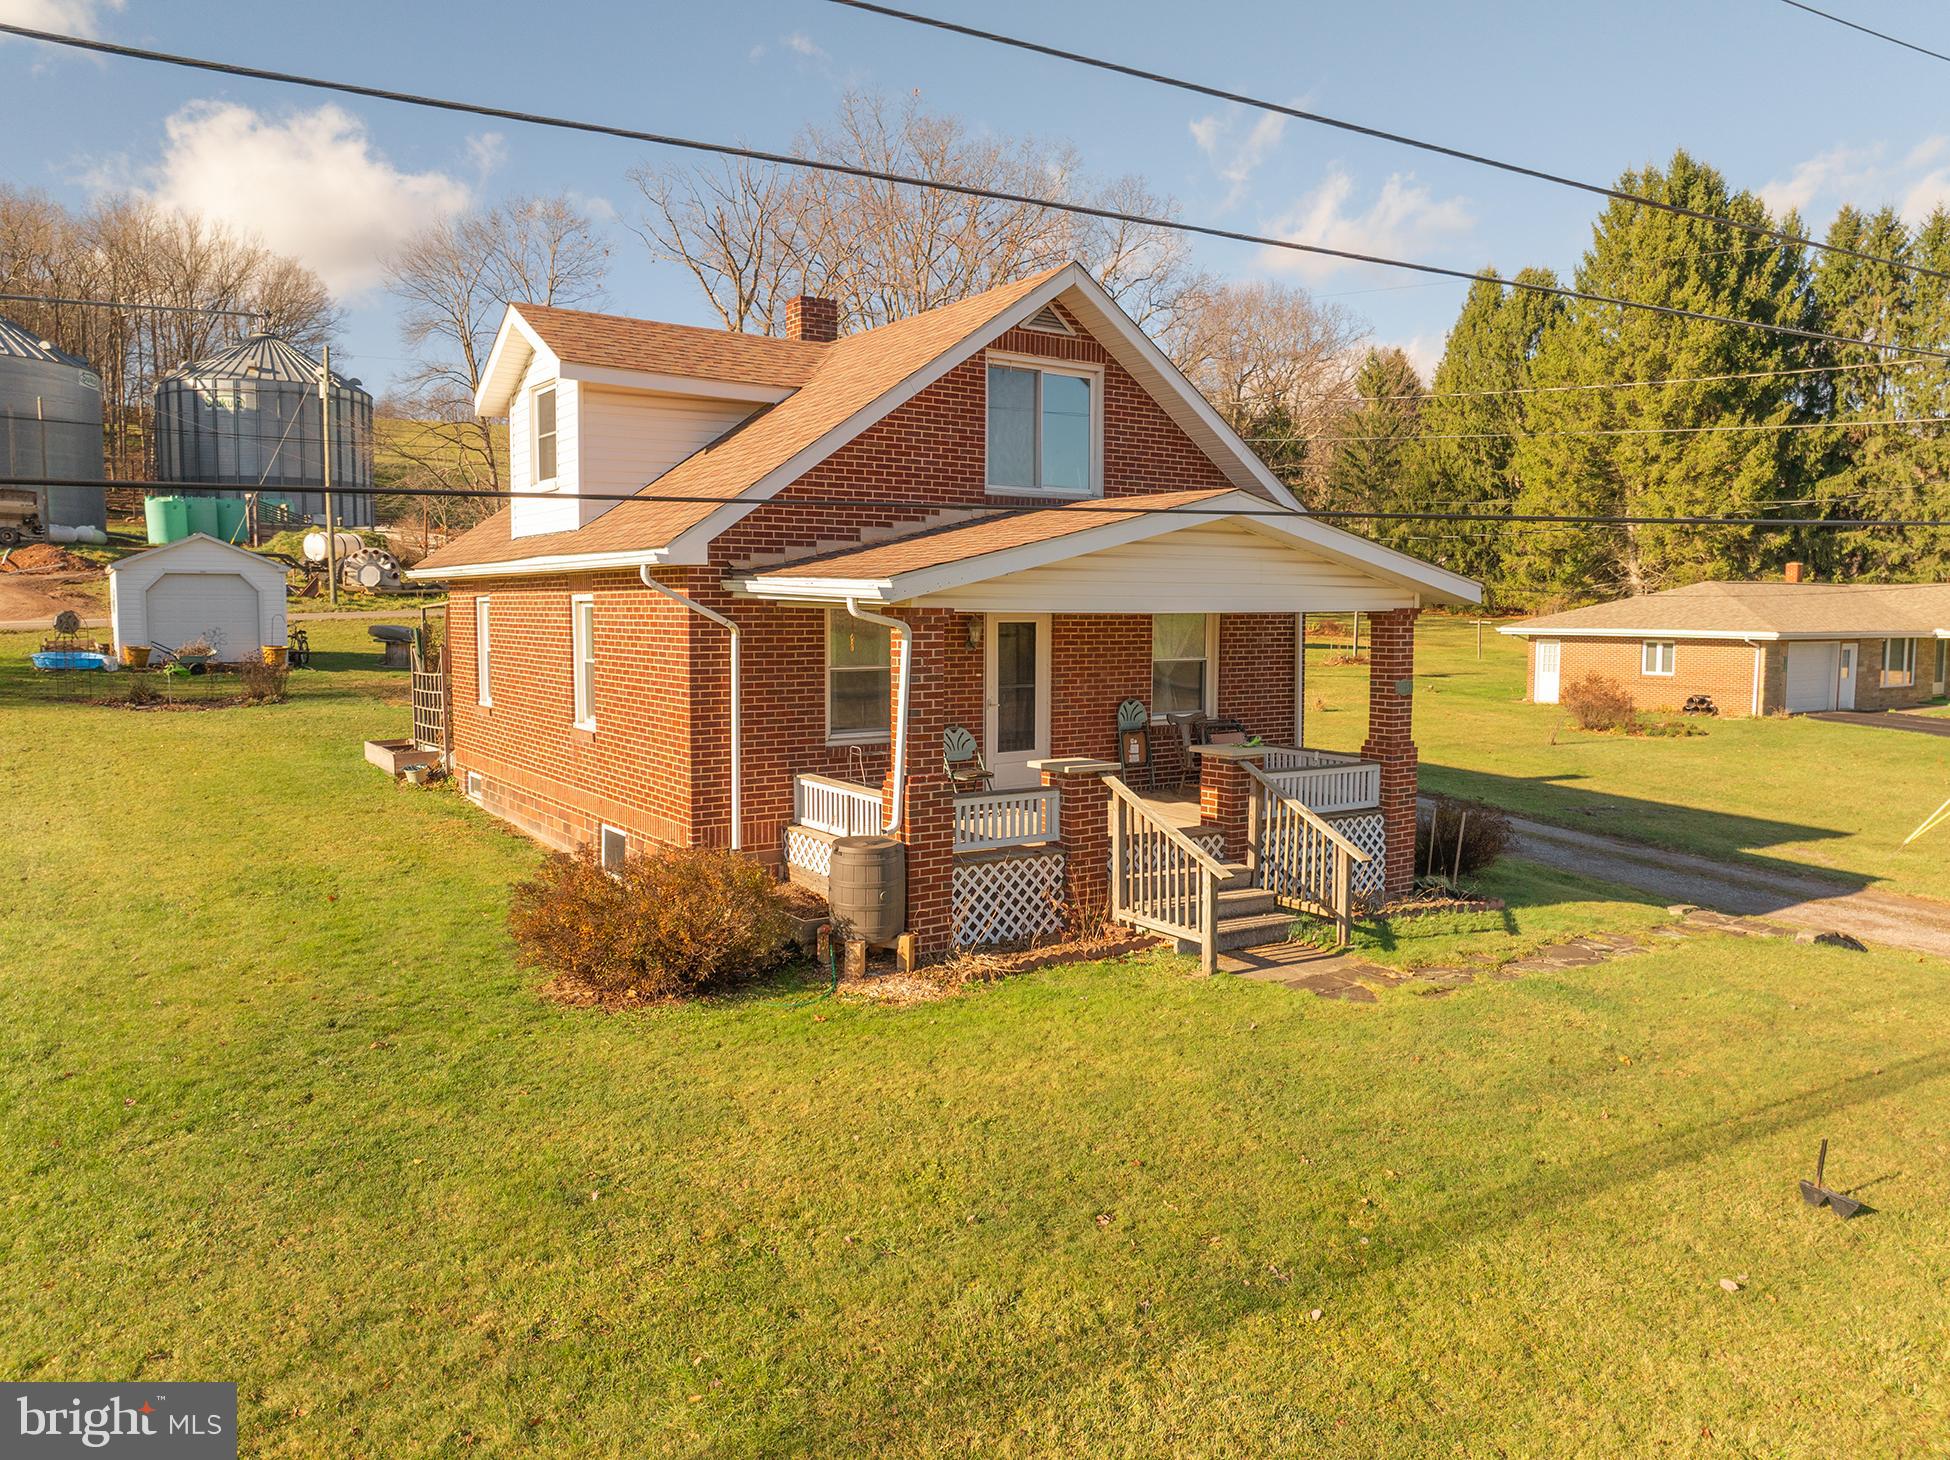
(483, 690)
(1657, 657)
(1898, 662)
(582, 636)
(1043, 429)
(1181, 665)
(859, 676)
(542, 426)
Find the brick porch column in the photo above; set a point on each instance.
(1225, 792)
(944, 691)
(1085, 817)
(1391, 723)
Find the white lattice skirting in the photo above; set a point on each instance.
(1369, 880)
(1008, 899)
(810, 851)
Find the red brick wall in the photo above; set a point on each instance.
(1391, 710)
(1722, 668)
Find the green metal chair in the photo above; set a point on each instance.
(967, 771)
(1134, 740)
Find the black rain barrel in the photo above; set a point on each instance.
(869, 887)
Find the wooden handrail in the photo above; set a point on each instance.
(1203, 859)
(1308, 814)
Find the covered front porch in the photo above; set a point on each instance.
(1023, 654)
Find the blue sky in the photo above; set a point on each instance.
(1780, 100)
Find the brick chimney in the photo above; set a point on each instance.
(1792, 572)
(809, 317)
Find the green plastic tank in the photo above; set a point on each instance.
(230, 519)
(168, 519)
(203, 515)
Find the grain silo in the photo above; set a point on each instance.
(51, 425)
(248, 419)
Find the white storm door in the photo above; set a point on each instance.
(1549, 658)
(1845, 686)
(1015, 697)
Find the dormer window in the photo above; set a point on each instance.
(543, 422)
(1044, 435)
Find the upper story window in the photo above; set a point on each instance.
(1044, 429)
(543, 431)
(859, 674)
(1898, 662)
(1657, 657)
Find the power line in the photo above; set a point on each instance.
(1106, 508)
(875, 174)
(1878, 34)
(133, 304)
(1321, 119)
(1409, 437)
(1421, 395)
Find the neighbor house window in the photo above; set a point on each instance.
(858, 677)
(582, 633)
(1898, 662)
(1042, 430)
(615, 848)
(544, 424)
(482, 693)
(1181, 663)
(1657, 657)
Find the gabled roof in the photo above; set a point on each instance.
(857, 381)
(149, 555)
(1758, 611)
(940, 559)
(576, 337)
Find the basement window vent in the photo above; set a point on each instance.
(475, 786)
(1048, 321)
(615, 847)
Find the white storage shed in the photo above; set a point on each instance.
(194, 588)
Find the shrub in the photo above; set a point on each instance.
(262, 684)
(1459, 837)
(670, 921)
(1598, 703)
(142, 690)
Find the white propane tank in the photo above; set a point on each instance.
(348, 544)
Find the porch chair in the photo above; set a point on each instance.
(1134, 742)
(967, 771)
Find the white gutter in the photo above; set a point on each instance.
(737, 717)
(894, 625)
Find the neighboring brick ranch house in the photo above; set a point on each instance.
(911, 529)
(1753, 648)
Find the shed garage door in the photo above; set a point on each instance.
(1811, 676)
(220, 607)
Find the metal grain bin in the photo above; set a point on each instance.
(868, 887)
(51, 425)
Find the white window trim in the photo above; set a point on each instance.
(483, 653)
(1899, 678)
(1211, 667)
(476, 786)
(603, 833)
(1083, 370)
(536, 480)
(582, 687)
(845, 737)
(1646, 659)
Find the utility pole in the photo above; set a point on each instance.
(325, 455)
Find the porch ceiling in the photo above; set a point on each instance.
(1209, 551)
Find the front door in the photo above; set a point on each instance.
(1845, 686)
(1016, 697)
(1549, 652)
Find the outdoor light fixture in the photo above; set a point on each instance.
(974, 626)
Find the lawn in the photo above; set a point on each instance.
(276, 1106)
(1770, 792)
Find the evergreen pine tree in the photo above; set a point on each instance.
(1371, 468)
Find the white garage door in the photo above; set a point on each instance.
(220, 607)
(1811, 676)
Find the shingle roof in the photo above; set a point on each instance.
(673, 349)
(1771, 609)
(993, 533)
(851, 374)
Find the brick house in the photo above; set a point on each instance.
(757, 580)
(1753, 648)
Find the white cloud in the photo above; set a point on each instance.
(803, 44)
(1424, 353)
(1233, 157)
(1838, 170)
(75, 17)
(1867, 178)
(1404, 220)
(311, 185)
(487, 151)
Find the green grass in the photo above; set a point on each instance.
(1774, 792)
(276, 1106)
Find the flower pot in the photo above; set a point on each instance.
(274, 655)
(136, 656)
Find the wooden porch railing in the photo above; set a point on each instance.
(987, 819)
(839, 807)
(1325, 782)
(1299, 857)
(1160, 878)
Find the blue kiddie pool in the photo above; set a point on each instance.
(72, 659)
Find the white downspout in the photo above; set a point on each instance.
(737, 717)
(894, 625)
